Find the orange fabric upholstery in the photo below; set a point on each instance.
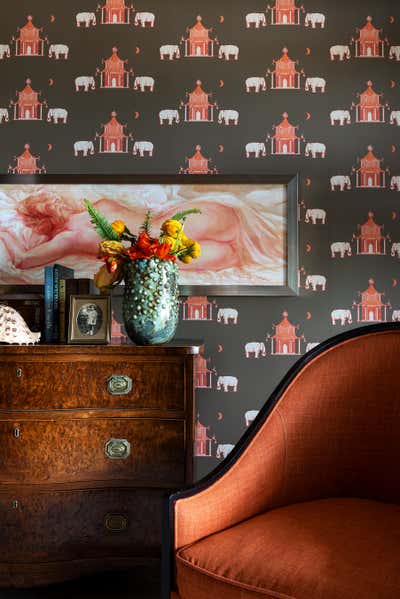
(312, 550)
(334, 432)
(309, 508)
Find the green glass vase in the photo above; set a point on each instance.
(151, 300)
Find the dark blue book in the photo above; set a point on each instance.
(52, 276)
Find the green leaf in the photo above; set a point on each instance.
(147, 223)
(185, 213)
(101, 224)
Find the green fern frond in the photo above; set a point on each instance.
(101, 224)
(147, 223)
(185, 213)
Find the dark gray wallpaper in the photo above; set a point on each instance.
(335, 74)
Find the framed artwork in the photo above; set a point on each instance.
(247, 229)
(89, 319)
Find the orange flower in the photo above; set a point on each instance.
(104, 278)
(110, 248)
(118, 226)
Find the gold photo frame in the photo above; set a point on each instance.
(89, 319)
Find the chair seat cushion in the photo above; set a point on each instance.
(339, 548)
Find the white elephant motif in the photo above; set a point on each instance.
(396, 316)
(58, 50)
(341, 181)
(311, 345)
(256, 83)
(314, 84)
(395, 249)
(4, 116)
(340, 247)
(250, 416)
(145, 18)
(314, 214)
(57, 115)
(256, 19)
(169, 115)
(226, 314)
(144, 82)
(169, 51)
(341, 116)
(86, 147)
(395, 183)
(5, 51)
(394, 52)
(315, 281)
(227, 50)
(315, 148)
(86, 18)
(143, 147)
(314, 19)
(342, 315)
(227, 382)
(395, 117)
(257, 148)
(85, 82)
(223, 449)
(225, 116)
(341, 51)
(255, 348)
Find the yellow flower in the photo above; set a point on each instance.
(194, 248)
(110, 248)
(171, 228)
(168, 239)
(103, 278)
(118, 226)
(186, 259)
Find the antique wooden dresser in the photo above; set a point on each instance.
(91, 438)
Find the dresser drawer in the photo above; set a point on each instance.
(145, 450)
(98, 383)
(73, 525)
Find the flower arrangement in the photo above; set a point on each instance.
(119, 246)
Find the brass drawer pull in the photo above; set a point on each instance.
(116, 522)
(119, 384)
(18, 372)
(117, 449)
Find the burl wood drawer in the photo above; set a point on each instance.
(147, 450)
(73, 525)
(55, 385)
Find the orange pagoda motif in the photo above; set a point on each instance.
(285, 142)
(285, 75)
(202, 374)
(370, 109)
(198, 108)
(285, 12)
(202, 442)
(197, 307)
(113, 140)
(371, 308)
(198, 164)
(115, 75)
(199, 43)
(369, 44)
(370, 240)
(370, 174)
(115, 12)
(27, 164)
(29, 42)
(285, 341)
(28, 107)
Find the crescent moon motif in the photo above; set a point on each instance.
(392, 83)
(51, 82)
(394, 282)
(308, 315)
(221, 148)
(221, 83)
(308, 248)
(136, 115)
(308, 51)
(393, 148)
(221, 19)
(137, 50)
(49, 147)
(220, 348)
(308, 182)
(308, 116)
(220, 416)
(391, 19)
(394, 215)
(52, 19)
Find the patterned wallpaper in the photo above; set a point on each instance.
(226, 87)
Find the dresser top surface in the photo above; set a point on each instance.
(177, 348)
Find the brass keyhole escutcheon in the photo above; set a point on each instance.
(15, 504)
(19, 373)
(17, 433)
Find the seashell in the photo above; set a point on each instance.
(13, 328)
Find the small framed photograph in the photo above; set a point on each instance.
(89, 319)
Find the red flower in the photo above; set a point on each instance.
(147, 247)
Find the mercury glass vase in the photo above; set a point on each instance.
(150, 302)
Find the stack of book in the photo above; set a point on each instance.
(59, 286)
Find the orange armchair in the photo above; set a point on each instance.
(307, 505)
